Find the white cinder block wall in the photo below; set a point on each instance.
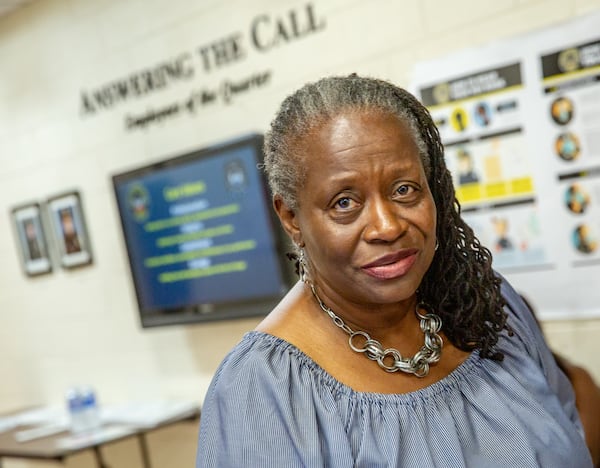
(82, 325)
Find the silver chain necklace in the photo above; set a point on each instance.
(418, 365)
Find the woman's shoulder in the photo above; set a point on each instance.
(527, 348)
(255, 350)
(520, 317)
(264, 389)
(524, 335)
(260, 361)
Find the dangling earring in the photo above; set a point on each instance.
(302, 266)
(437, 244)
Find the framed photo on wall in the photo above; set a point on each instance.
(69, 229)
(32, 239)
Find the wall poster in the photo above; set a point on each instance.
(520, 122)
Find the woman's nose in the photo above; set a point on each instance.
(384, 221)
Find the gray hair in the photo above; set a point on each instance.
(317, 103)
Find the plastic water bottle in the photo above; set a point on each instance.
(91, 412)
(75, 408)
(83, 409)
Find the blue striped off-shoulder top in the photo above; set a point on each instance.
(270, 405)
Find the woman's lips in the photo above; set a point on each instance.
(393, 265)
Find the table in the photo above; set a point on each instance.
(59, 446)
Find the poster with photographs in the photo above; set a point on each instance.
(520, 123)
(69, 229)
(31, 239)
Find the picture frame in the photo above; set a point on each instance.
(66, 217)
(32, 239)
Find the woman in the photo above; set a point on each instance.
(400, 346)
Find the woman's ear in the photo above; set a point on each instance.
(288, 219)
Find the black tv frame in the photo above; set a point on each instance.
(199, 313)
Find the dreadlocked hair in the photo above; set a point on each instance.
(460, 285)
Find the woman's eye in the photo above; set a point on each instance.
(343, 203)
(405, 190)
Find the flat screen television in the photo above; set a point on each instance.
(201, 236)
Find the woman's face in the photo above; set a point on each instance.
(365, 214)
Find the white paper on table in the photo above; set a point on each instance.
(97, 436)
(8, 423)
(43, 416)
(39, 432)
(147, 413)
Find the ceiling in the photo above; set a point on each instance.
(7, 6)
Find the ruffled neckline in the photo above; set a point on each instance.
(451, 381)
